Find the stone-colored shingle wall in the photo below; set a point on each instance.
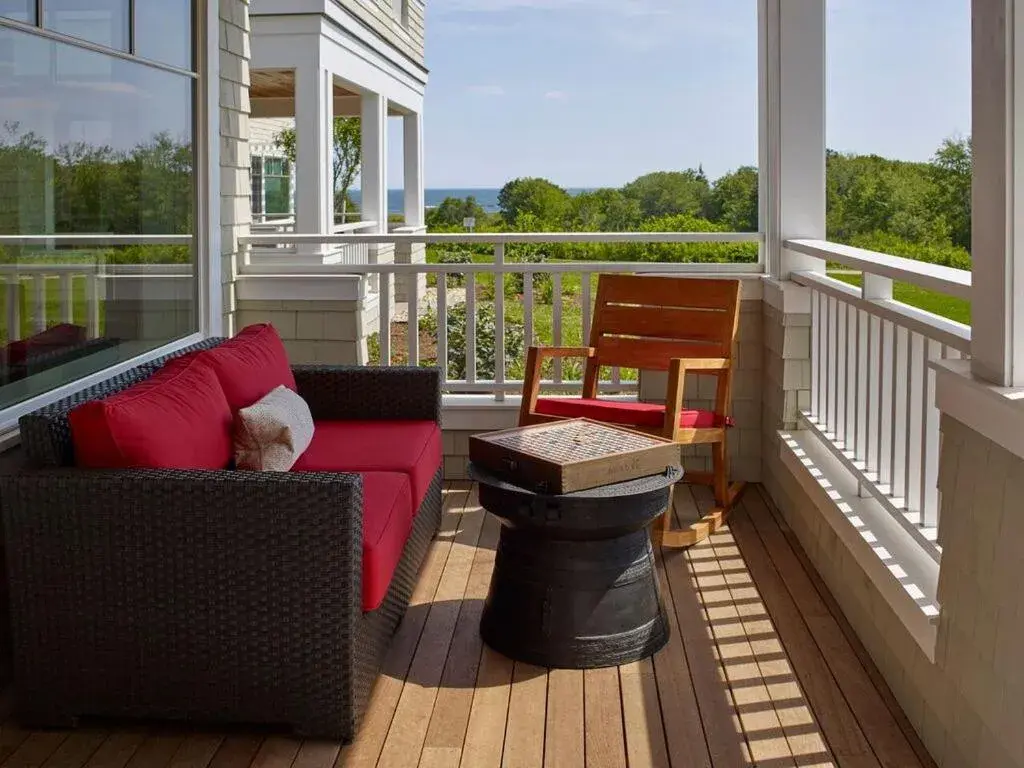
(380, 16)
(235, 189)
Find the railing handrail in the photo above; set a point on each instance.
(705, 269)
(935, 277)
(948, 332)
(507, 238)
(90, 268)
(354, 226)
(97, 240)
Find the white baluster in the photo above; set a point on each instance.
(499, 322)
(13, 308)
(556, 322)
(471, 327)
(442, 324)
(67, 297)
(413, 327)
(39, 300)
(385, 318)
(930, 441)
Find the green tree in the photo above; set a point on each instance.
(547, 202)
(667, 193)
(348, 144)
(604, 210)
(953, 170)
(453, 210)
(734, 200)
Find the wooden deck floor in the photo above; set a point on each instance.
(761, 670)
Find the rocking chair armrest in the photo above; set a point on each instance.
(543, 352)
(701, 364)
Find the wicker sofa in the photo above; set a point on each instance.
(209, 596)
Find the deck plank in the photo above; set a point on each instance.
(564, 742)
(842, 732)
(858, 648)
(641, 716)
(316, 754)
(757, 637)
(408, 731)
(485, 734)
(724, 739)
(681, 714)
(197, 751)
(277, 752)
(156, 751)
(890, 745)
(524, 733)
(602, 711)
(237, 751)
(116, 751)
(36, 749)
(365, 750)
(446, 733)
(76, 749)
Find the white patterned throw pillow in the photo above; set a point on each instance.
(272, 433)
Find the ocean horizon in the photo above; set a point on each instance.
(487, 197)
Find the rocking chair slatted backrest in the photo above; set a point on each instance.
(644, 322)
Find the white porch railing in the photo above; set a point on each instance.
(442, 297)
(872, 387)
(82, 284)
(275, 241)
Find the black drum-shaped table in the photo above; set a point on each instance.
(574, 583)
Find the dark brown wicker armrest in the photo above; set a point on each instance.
(368, 393)
(169, 542)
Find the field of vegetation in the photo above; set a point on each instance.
(920, 211)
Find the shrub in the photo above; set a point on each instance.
(485, 325)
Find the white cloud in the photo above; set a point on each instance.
(556, 95)
(486, 90)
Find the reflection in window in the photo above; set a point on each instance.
(104, 22)
(19, 10)
(277, 183)
(90, 144)
(163, 29)
(256, 177)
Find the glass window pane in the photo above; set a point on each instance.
(278, 194)
(163, 31)
(19, 10)
(90, 143)
(104, 22)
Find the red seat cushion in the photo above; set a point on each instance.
(249, 365)
(176, 419)
(630, 413)
(52, 339)
(410, 447)
(387, 522)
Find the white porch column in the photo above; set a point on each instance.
(374, 179)
(314, 115)
(413, 148)
(997, 245)
(792, 106)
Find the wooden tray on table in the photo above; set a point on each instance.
(571, 455)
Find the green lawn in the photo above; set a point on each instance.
(54, 305)
(936, 303)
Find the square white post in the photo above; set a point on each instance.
(412, 125)
(373, 183)
(314, 114)
(997, 248)
(792, 138)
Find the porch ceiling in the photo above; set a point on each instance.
(272, 94)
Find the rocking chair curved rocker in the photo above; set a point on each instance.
(678, 325)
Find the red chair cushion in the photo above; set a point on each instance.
(249, 365)
(176, 419)
(52, 339)
(387, 522)
(410, 447)
(630, 413)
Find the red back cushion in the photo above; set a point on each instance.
(53, 338)
(176, 419)
(248, 366)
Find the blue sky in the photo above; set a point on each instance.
(597, 92)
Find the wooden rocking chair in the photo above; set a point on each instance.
(662, 324)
